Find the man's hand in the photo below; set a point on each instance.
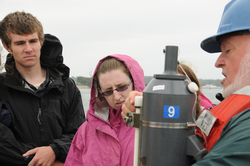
(43, 156)
(128, 105)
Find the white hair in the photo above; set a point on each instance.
(242, 78)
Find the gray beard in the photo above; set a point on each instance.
(242, 78)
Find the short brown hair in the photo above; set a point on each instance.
(20, 23)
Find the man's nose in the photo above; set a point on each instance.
(28, 47)
(220, 61)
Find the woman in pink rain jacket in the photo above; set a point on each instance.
(104, 139)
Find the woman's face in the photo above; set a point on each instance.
(110, 81)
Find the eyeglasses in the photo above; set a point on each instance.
(118, 89)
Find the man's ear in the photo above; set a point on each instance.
(41, 42)
(7, 48)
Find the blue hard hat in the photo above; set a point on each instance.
(236, 17)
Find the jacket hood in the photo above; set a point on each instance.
(51, 56)
(100, 107)
(204, 101)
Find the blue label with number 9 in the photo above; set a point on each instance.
(171, 111)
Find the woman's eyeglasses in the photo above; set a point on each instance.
(118, 89)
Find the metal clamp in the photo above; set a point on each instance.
(132, 119)
(190, 125)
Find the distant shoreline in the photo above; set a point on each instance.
(83, 87)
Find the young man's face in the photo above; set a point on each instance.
(25, 50)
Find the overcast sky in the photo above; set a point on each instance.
(92, 29)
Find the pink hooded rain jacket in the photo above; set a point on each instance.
(104, 139)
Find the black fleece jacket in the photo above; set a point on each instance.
(50, 119)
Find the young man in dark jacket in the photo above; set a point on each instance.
(45, 104)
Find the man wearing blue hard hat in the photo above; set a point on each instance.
(227, 133)
(228, 141)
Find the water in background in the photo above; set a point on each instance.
(209, 93)
(85, 98)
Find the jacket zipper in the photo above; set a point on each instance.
(39, 112)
